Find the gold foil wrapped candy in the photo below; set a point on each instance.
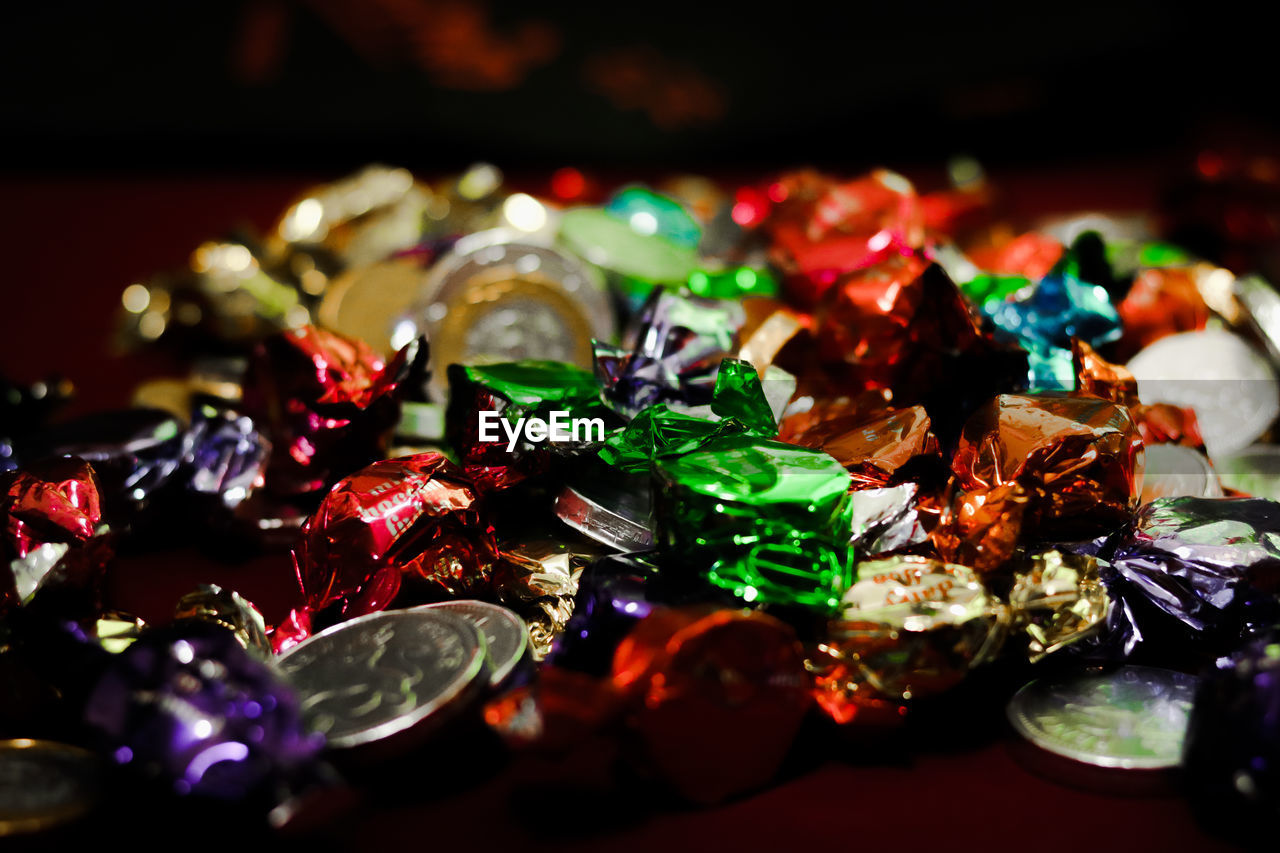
(1057, 601)
(539, 579)
(911, 626)
(226, 608)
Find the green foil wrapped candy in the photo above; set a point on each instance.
(733, 283)
(516, 390)
(659, 431)
(768, 521)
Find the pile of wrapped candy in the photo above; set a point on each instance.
(686, 469)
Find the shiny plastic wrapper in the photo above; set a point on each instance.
(768, 521)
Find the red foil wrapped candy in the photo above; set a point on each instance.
(51, 514)
(414, 517)
(822, 228)
(327, 402)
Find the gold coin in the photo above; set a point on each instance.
(365, 302)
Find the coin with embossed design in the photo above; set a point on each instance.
(505, 633)
(1130, 718)
(396, 675)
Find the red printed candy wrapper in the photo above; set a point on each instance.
(415, 517)
(51, 513)
(718, 697)
(327, 402)
(1083, 455)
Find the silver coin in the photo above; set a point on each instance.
(43, 784)
(1261, 306)
(1231, 386)
(1132, 718)
(385, 674)
(609, 513)
(506, 635)
(1254, 470)
(1175, 471)
(500, 295)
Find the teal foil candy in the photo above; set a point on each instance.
(764, 520)
(650, 213)
(1050, 369)
(1061, 306)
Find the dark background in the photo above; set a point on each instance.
(327, 85)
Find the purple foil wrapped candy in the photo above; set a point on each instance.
(225, 456)
(1191, 577)
(614, 593)
(193, 710)
(670, 352)
(1232, 751)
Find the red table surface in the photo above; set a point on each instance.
(70, 245)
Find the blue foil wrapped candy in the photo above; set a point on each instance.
(1061, 306)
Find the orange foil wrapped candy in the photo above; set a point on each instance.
(1158, 423)
(1084, 455)
(904, 325)
(865, 319)
(415, 517)
(1097, 377)
(1160, 302)
(875, 451)
(804, 413)
(980, 528)
(718, 696)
